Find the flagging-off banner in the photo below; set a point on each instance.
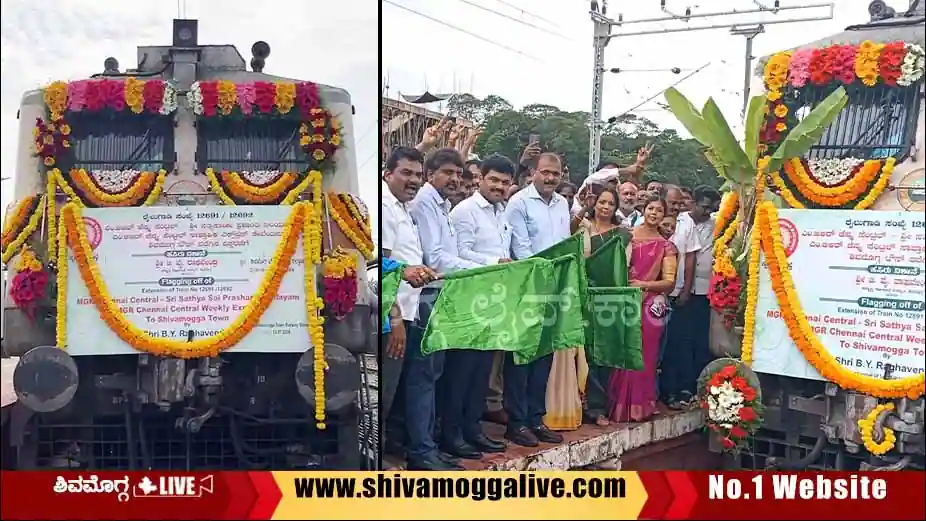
(482, 495)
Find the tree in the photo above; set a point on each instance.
(506, 131)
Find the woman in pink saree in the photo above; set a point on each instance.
(653, 263)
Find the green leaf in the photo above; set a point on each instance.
(754, 118)
(688, 115)
(810, 129)
(725, 144)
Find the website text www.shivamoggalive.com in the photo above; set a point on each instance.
(525, 486)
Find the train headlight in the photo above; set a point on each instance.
(342, 379)
(45, 379)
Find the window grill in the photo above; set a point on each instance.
(121, 142)
(248, 145)
(876, 123)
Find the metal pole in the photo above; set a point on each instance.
(746, 75)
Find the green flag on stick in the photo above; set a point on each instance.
(389, 289)
(484, 309)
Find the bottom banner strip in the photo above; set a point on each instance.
(470, 495)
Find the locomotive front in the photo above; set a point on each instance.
(186, 259)
(870, 326)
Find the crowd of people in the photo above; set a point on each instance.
(444, 211)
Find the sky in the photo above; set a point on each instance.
(333, 43)
(540, 51)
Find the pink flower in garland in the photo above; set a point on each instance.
(77, 95)
(246, 97)
(27, 288)
(799, 72)
(844, 63)
(306, 98)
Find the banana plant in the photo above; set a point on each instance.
(736, 162)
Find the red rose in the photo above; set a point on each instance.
(749, 394)
(727, 372)
(727, 443)
(738, 383)
(153, 94)
(715, 381)
(738, 432)
(747, 414)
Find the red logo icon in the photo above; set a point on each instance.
(94, 232)
(789, 236)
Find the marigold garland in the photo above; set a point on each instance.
(94, 95)
(355, 230)
(19, 217)
(61, 286)
(866, 428)
(320, 137)
(339, 280)
(311, 245)
(232, 189)
(211, 346)
(80, 187)
(859, 191)
(13, 241)
(752, 271)
(801, 331)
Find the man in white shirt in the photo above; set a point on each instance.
(627, 202)
(539, 218)
(431, 212)
(678, 360)
(483, 237)
(402, 179)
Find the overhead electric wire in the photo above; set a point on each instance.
(459, 29)
(528, 13)
(513, 19)
(654, 96)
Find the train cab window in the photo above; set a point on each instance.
(877, 122)
(121, 142)
(250, 145)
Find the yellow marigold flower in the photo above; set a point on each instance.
(781, 110)
(781, 127)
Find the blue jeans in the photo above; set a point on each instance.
(421, 375)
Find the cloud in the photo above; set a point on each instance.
(334, 43)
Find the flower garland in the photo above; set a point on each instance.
(23, 223)
(339, 279)
(139, 339)
(752, 271)
(732, 405)
(312, 246)
(859, 191)
(138, 96)
(225, 98)
(892, 64)
(320, 137)
(723, 295)
(914, 62)
(29, 284)
(233, 189)
(801, 331)
(61, 286)
(352, 222)
(832, 172)
(17, 222)
(866, 428)
(729, 206)
(143, 189)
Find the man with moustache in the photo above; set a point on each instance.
(431, 212)
(539, 218)
(675, 362)
(482, 237)
(626, 210)
(399, 240)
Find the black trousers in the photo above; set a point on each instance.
(465, 383)
(687, 347)
(391, 404)
(526, 391)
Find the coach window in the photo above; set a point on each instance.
(250, 145)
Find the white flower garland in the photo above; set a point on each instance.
(724, 404)
(914, 62)
(169, 101)
(113, 181)
(261, 177)
(195, 99)
(833, 171)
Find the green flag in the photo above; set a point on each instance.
(563, 323)
(613, 335)
(388, 289)
(485, 309)
(617, 336)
